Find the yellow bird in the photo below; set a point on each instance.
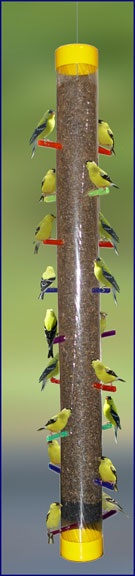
(107, 471)
(54, 452)
(53, 516)
(48, 185)
(43, 230)
(45, 127)
(109, 503)
(104, 276)
(110, 412)
(50, 329)
(52, 369)
(104, 373)
(57, 422)
(105, 135)
(98, 176)
(107, 232)
(47, 278)
(103, 316)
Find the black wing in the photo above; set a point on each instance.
(50, 334)
(111, 373)
(110, 231)
(115, 417)
(114, 472)
(111, 135)
(38, 131)
(106, 177)
(112, 138)
(47, 371)
(111, 279)
(109, 499)
(37, 230)
(45, 283)
(51, 421)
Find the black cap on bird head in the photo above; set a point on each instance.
(98, 259)
(49, 442)
(51, 112)
(53, 170)
(100, 121)
(108, 397)
(101, 458)
(53, 216)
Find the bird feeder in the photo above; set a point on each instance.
(78, 308)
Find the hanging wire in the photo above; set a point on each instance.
(76, 22)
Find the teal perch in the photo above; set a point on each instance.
(62, 434)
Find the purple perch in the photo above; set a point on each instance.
(109, 333)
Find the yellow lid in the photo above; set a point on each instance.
(69, 56)
(81, 545)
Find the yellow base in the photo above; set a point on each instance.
(81, 545)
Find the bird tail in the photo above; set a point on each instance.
(115, 434)
(43, 384)
(121, 379)
(38, 430)
(115, 488)
(36, 249)
(41, 199)
(50, 351)
(41, 296)
(43, 376)
(33, 152)
(115, 186)
(114, 295)
(115, 248)
(113, 150)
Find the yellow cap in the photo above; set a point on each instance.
(76, 59)
(81, 545)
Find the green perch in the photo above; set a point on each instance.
(106, 426)
(51, 198)
(65, 433)
(98, 192)
(57, 435)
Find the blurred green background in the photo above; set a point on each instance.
(31, 31)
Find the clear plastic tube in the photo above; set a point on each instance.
(78, 308)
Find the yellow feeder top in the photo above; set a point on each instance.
(74, 59)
